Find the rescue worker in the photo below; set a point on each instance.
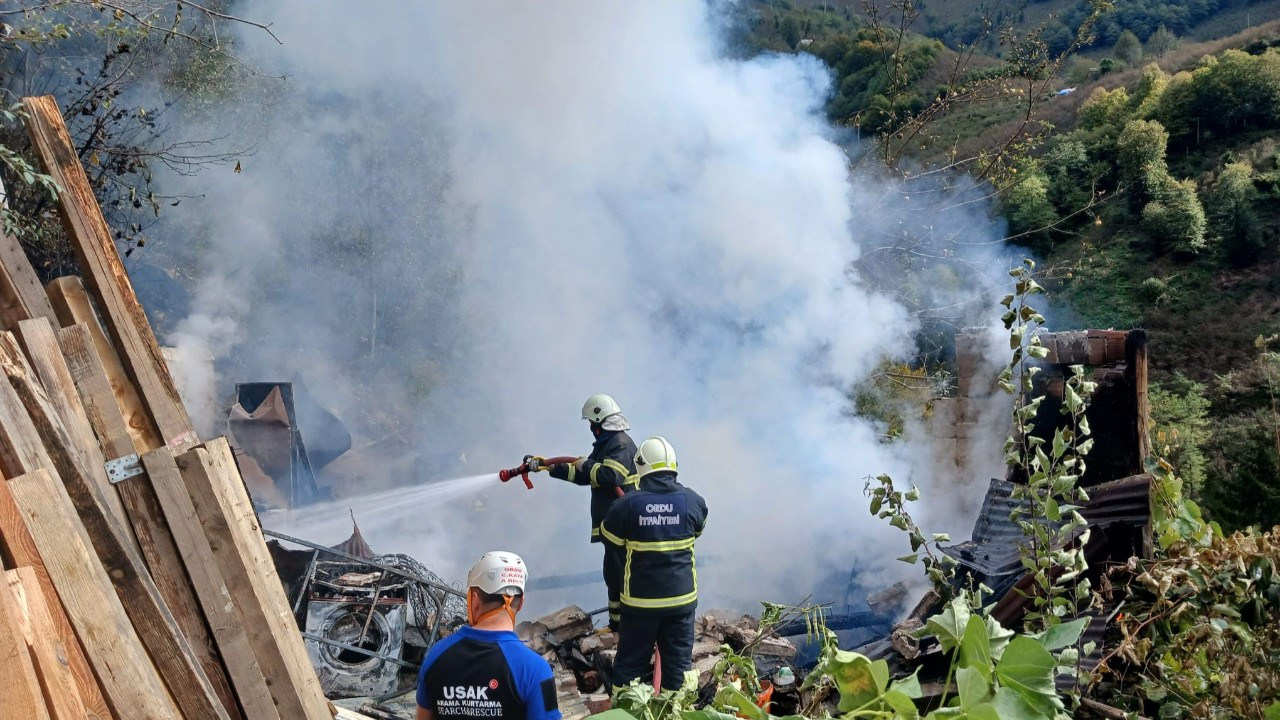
(650, 535)
(609, 468)
(483, 670)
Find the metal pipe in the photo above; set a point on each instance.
(366, 561)
(306, 582)
(373, 607)
(362, 651)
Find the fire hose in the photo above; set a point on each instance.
(533, 463)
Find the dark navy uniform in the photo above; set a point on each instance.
(486, 674)
(651, 534)
(610, 465)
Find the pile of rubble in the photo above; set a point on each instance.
(582, 657)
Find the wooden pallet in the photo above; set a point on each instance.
(136, 581)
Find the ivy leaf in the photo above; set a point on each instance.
(1027, 669)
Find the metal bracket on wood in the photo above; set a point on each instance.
(123, 468)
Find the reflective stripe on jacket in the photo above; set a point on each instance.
(651, 534)
(610, 465)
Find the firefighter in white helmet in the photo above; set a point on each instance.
(483, 670)
(650, 535)
(609, 470)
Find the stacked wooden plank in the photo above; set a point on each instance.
(135, 582)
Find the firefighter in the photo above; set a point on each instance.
(483, 670)
(650, 535)
(609, 470)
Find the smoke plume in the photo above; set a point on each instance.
(464, 218)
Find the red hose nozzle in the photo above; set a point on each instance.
(532, 463)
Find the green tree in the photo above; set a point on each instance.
(1128, 48)
(1176, 220)
(1180, 427)
(1162, 41)
(1104, 107)
(1148, 91)
(1026, 204)
(1242, 480)
(1231, 213)
(1070, 176)
(789, 30)
(1140, 155)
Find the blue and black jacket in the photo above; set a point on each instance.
(486, 674)
(651, 533)
(611, 464)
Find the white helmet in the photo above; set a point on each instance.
(498, 573)
(598, 407)
(655, 454)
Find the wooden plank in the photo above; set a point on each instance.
(57, 684)
(220, 609)
(84, 588)
(232, 528)
(72, 305)
(20, 695)
(21, 296)
(147, 517)
(18, 549)
(45, 355)
(105, 275)
(32, 438)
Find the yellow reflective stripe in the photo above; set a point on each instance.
(626, 577)
(617, 467)
(613, 604)
(594, 469)
(632, 480)
(616, 541)
(595, 531)
(573, 471)
(649, 603)
(660, 545)
(663, 466)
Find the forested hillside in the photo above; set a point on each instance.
(1152, 192)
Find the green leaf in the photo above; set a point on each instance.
(1272, 712)
(1027, 669)
(909, 685)
(858, 679)
(999, 637)
(902, 705)
(1063, 634)
(948, 626)
(730, 696)
(616, 714)
(974, 688)
(910, 559)
(975, 647)
(1009, 705)
(1051, 510)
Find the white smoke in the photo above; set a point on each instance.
(493, 210)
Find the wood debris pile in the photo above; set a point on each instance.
(135, 581)
(582, 658)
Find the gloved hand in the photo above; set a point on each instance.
(579, 463)
(533, 463)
